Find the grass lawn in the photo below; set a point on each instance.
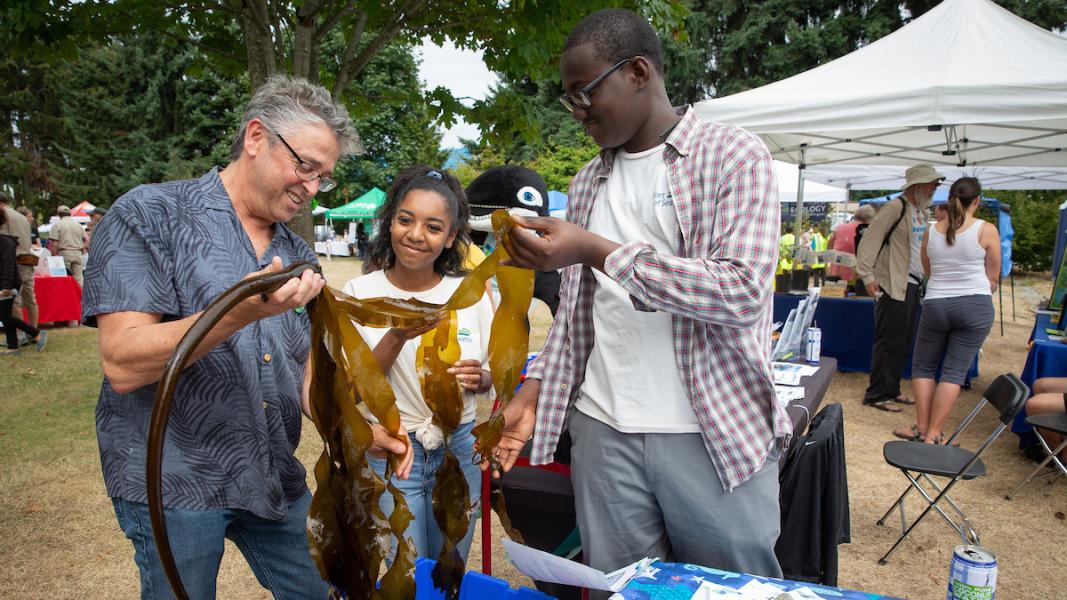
(61, 540)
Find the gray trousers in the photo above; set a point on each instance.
(657, 494)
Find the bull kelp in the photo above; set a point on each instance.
(349, 534)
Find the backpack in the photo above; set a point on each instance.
(889, 234)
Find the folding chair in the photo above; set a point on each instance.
(920, 462)
(1052, 422)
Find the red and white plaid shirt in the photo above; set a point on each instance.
(718, 290)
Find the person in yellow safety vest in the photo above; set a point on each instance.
(818, 270)
(785, 252)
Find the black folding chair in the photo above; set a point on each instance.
(1052, 422)
(921, 462)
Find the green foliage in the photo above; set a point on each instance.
(395, 125)
(132, 116)
(558, 164)
(1034, 215)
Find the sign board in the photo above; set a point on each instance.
(56, 266)
(815, 212)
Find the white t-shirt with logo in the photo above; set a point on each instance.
(919, 224)
(472, 333)
(632, 382)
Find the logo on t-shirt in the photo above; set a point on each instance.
(662, 199)
(463, 335)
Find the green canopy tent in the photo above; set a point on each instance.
(364, 207)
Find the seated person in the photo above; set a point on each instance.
(1050, 396)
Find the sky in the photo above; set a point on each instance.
(462, 72)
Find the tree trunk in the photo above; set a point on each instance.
(259, 42)
(301, 225)
(305, 49)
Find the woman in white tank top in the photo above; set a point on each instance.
(961, 260)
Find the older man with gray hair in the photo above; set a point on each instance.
(161, 254)
(888, 261)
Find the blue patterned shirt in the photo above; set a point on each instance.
(171, 249)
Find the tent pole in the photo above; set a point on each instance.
(1013, 295)
(1000, 292)
(797, 218)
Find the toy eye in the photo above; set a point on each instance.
(530, 196)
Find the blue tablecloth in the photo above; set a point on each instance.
(674, 581)
(847, 326)
(1045, 359)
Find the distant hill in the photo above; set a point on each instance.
(455, 157)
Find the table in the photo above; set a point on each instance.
(1046, 358)
(333, 248)
(58, 299)
(815, 386)
(679, 581)
(847, 326)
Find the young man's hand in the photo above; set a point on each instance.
(560, 244)
(520, 416)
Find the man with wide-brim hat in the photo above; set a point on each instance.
(889, 262)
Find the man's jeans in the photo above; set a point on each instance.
(277, 551)
(418, 491)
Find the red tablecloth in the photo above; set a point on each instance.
(58, 299)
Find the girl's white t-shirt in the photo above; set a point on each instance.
(472, 333)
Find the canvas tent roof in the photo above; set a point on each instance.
(82, 209)
(788, 182)
(967, 84)
(363, 207)
(885, 177)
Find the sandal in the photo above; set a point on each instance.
(910, 433)
(940, 440)
(902, 399)
(886, 405)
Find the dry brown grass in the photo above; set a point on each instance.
(60, 538)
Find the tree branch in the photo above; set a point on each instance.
(350, 68)
(350, 51)
(327, 25)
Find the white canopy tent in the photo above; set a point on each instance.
(887, 177)
(788, 179)
(967, 85)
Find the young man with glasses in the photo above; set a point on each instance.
(659, 356)
(161, 254)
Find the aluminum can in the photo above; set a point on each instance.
(814, 346)
(972, 575)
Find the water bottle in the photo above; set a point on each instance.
(814, 347)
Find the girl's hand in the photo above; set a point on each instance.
(384, 444)
(471, 376)
(410, 333)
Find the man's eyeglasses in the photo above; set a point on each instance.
(580, 99)
(304, 170)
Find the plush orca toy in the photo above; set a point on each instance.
(522, 192)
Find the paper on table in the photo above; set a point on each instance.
(790, 373)
(787, 394)
(758, 590)
(542, 566)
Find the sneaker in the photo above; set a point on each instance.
(24, 340)
(42, 339)
(15, 352)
